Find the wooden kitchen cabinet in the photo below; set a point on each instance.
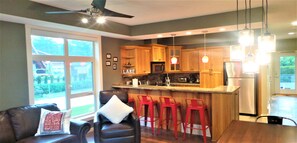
(170, 52)
(158, 52)
(210, 79)
(190, 60)
(211, 73)
(135, 60)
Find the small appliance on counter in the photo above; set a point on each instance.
(182, 80)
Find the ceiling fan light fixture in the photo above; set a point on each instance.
(84, 20)
(101, 20)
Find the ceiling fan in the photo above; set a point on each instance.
(98, 10)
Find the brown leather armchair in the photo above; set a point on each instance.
(128, 131)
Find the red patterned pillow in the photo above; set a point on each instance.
(53, 122)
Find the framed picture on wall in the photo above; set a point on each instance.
(114, 66)
(107, 63)
(115, 59)
(108, 56)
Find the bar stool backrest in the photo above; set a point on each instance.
(167, 100)
(144, 98)
(195, 102)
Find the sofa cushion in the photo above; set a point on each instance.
(25, 119)
(51, 139)
(53, 122)
(110, 130)
(6, 130)
(115, 110)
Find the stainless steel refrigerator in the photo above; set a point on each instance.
(233, 75)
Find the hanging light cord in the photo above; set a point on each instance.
(250, 19)
(250, 14)
(266, 19)
(245, 15)
(237, 14)
(173, 45)
(204, 40)
(263, 15)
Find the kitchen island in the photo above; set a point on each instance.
(221, 102)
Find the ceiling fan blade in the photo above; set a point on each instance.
(107, 12)
(65, 12)
(100, 4)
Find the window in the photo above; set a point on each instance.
(63, 71)
(285, 73)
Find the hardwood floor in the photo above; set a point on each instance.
(166, 136)
(279, 105)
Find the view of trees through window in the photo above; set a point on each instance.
(287, 72)
(50, 73)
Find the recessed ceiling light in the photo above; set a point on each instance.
(291, 33)
(189, 33)
(294, 23)
(160, 35)
(222, 29)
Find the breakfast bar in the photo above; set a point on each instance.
(221, 102)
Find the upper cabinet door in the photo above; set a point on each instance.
(158, 53)
(190, 59)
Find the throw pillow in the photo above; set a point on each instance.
(54, 122)
(115, 110)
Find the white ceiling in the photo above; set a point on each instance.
(281, 12)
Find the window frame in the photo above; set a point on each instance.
(277, 88)
(96, 60)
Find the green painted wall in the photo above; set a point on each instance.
(112, 46)
(286, 45)
(13, 66)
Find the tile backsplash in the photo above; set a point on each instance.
(154, 79)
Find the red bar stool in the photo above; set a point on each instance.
(148, 103)
(168, 103)
(196, 105)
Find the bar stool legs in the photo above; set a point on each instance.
(196, 105)
(148, 103)
(167, 104)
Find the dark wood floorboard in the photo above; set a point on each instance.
(166, 136)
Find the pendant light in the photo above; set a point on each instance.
(205, 57)
(246, 36)
(173, 59)
(267, 41)
(250, 66)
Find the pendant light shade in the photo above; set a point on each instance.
(249, 65)
(237, 53)
(266, 41)
(205, 57)
(246, 36)
(173, 59)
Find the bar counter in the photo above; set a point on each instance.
(221, 102)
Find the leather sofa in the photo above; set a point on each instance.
(127, 131)
(19, 125)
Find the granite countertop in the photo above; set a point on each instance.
(220, 89)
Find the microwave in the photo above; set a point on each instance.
(157, 67)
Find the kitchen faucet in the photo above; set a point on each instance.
(167, 80)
